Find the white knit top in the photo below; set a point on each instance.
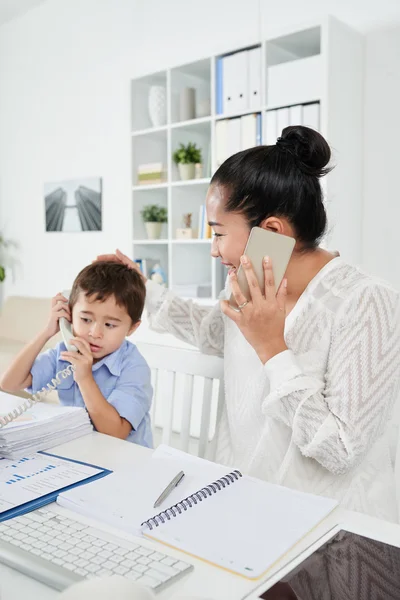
(315, 417)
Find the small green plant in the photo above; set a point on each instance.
(4, 244)
(186, 155)
(153, 213)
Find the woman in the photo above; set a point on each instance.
(312, 372)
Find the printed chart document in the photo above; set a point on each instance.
(31, 481)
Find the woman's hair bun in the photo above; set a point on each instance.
(308, 148)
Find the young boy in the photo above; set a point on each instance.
(111, 377)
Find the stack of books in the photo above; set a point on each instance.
(40, 427)
(151, 173)
(146, 265)
(205, 232)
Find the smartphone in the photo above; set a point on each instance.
(66, 329)
(263, 242)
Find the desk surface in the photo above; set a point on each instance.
(205, 581)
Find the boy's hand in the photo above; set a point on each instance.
(82, 360)
(59, 308)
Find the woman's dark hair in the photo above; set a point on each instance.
(282, 181)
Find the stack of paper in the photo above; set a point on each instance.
(39, 428)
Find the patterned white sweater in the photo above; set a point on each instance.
(315, 417)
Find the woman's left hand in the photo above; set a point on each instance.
(262, 319)
(82, 360)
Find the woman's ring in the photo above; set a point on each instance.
(240, 306)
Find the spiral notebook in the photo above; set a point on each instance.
(237, 522)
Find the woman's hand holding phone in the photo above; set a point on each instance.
(262, 318)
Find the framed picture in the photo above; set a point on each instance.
(74, 205)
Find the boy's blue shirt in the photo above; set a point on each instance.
(123, 378)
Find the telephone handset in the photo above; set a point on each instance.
(66, 330)
(67, 334)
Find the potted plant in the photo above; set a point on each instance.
(186, 157)
(5, 258)
(154, 216)
(5, 261)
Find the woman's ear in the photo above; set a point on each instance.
(274, 224)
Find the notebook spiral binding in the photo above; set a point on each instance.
(188, 502)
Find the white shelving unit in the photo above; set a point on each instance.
(319, 63)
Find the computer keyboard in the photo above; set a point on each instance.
(59, 551)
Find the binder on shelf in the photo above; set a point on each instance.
(259, 130)
(204, 232)
(254, 78)
(311, 117)
(234, 136)
(241, 98)
(228, 85)
(271, 132)
(202, 222)
(282, 120)
(221, 141)
(248, 126)
(235, 83)
(296, 114)
(219, 79)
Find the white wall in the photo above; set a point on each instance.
(64, 107)
(65, 69)
(381, 226)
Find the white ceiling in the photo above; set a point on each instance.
(11, 9)
(364, 15)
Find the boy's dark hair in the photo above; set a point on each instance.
(280, 180)
(103, 279)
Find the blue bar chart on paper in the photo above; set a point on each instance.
(21, 471)
(29, 479)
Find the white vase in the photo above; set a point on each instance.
(187, 104)
(153, 230)
(187, 171)
(157, 105)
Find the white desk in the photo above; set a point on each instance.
(205, 581)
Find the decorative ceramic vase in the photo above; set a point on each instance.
(198, 168)
(187, 171)
(204, 108)
(153, 230)
(158, 105)
(187, 104)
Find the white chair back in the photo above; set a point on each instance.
(188, 397)
(394, 445)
